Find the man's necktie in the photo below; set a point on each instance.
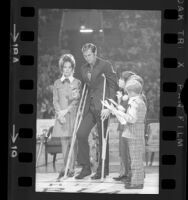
(89, 72)
(89, 75)
(66, 80)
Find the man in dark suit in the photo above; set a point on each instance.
(92, 74)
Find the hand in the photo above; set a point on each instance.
(112, 109)
(62, 113)
(121, 108)
(119, 95)
(104, 114)
(121, 119)
(106, 104)
(125, 97)
(62, 119)
(75, 93)
(113, 102)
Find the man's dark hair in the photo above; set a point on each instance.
(88, 46)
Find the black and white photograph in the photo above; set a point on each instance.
(98, 101)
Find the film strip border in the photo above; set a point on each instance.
(24, 86)
(172, 112)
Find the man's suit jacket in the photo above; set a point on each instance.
(95, 84)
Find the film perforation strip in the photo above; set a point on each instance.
(26, 133)
(170, 38)
(26, 84)
(169, 111)
(171, 14)
(168, 184)
(168, 159)
(170, 62)
(27, 11)
(26, 108)
(25, 157)
(168, 135)
(25, 181)
(27, 60)
(170, 87)
(27, 36)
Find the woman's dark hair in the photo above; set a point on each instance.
(67, 58)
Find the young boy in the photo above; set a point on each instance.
(133, 133)
(123, 143)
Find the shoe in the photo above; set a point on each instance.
(133, 186)
(126, 179)
(123, 178)
(70, 174)
(61, 174)
(98, 176)
(86, 171)
(119, 178)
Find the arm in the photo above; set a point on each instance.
(111, 108)
(75, 96)
(84, 73)
(55, 99)
(130, 116)
(59, 112)
(111, 78)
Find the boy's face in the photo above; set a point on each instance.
(131, 94)
(67, 69)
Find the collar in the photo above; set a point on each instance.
(131, 99)
(96, 63)
(71, 78)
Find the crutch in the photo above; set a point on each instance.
(78, 120)
(40, 150)
(104, 146)
(103, 138)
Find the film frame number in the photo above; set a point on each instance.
(14, 148)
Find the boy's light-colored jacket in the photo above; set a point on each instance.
(135, 117)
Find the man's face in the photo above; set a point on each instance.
(67, 69)
(89, 56)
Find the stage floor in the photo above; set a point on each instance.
(46, 182)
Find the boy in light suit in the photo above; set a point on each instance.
(133, 132)
(133, 120)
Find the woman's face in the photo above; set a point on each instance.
(67, 69)
(121, 83)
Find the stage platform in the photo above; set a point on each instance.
(46, 182)
(46, 175)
